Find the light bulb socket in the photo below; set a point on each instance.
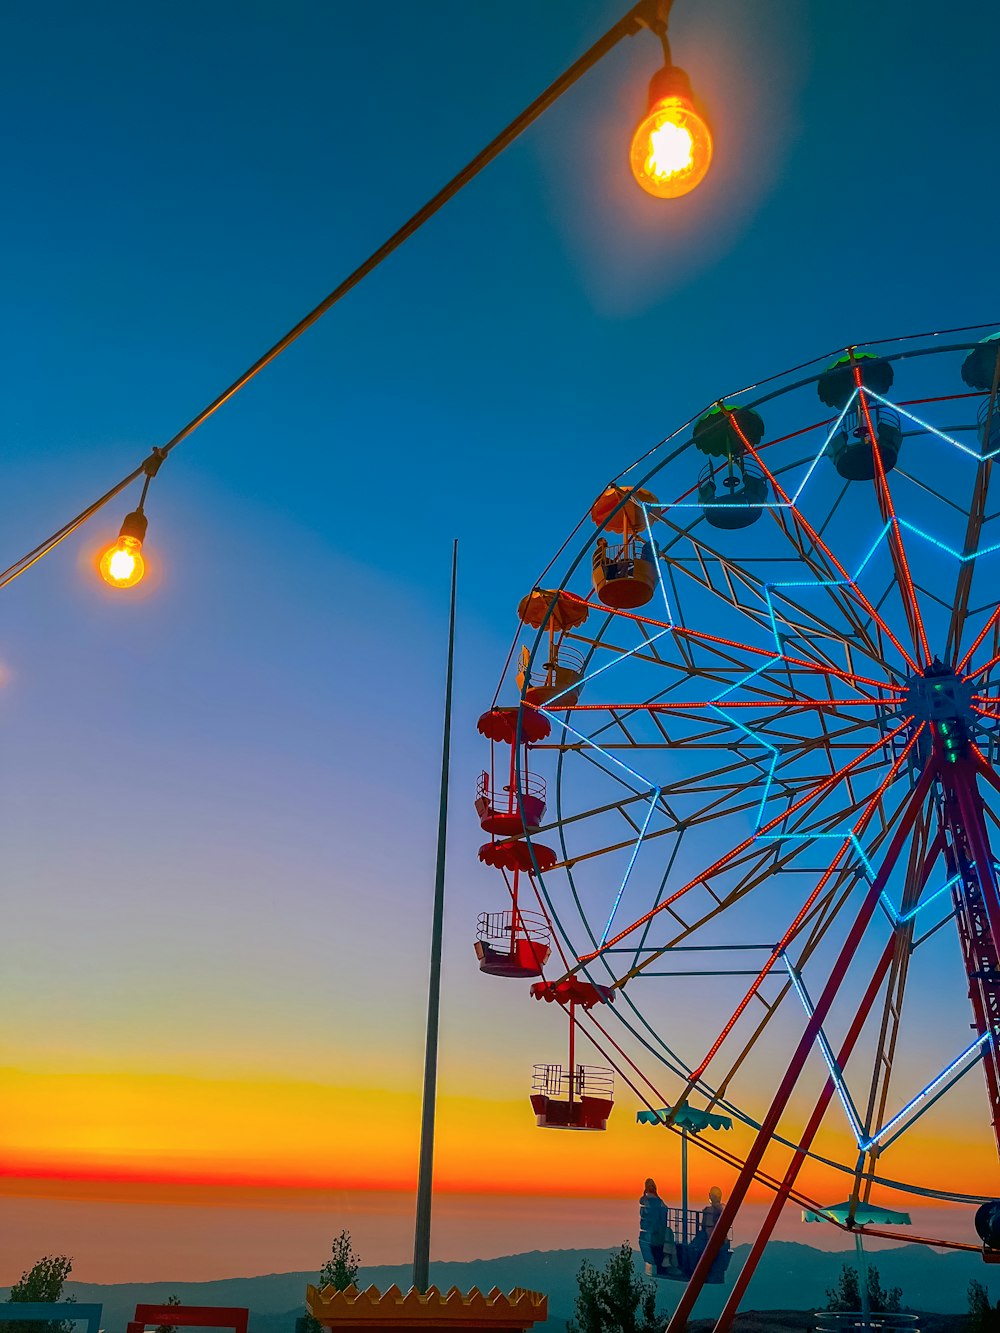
(669, 82)
(135, 525)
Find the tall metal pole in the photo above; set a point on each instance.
(684, 1188)
(425, 1173)
(866, 1313)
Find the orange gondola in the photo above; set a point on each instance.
(625, 575)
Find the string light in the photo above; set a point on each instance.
(122, 565)
(672, 146)
(671, 149)
(644, 14)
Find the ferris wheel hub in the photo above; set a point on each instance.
(938, 695)
(940, 703)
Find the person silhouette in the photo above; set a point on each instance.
(710, 1215)
(712, 1211)
(656, 1237)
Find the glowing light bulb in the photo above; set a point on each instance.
(122, 565)
(672, 146)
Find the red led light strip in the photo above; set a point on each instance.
(818, 790)
(792, 930)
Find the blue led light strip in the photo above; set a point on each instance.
(629, 652)
(900, 919)
(656, 559)
(842, 1091)
(976, 1046)
(931, 430)
(654, 797)
(559, 721)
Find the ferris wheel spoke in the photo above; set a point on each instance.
(802, 831)
(762, 870)
(993, 623)
(924, 852)
(718, 643)
(787, 660)
(820, 789)
(788, 706)
(816, 543)
(897, 548)
(837, 591)
(726, 804)
(762, 861)
(821, 918)
(796, 925)
(800, 837)
(977, 517)
(761, 613)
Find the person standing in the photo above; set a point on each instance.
(712, 1211)
(656, 1238)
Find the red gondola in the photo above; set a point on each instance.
(514, 854)
(513, 809)
(579, 1096)
(513, 943)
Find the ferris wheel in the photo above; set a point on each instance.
(745, 801)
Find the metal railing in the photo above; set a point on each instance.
(846, 1321)
(584, 1080)
(636, 548)
(500, 926)
(505, 798)
(856, 423)
(565, 657)
(743, 479)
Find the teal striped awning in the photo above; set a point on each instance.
(865, 1214)
(686, 1117)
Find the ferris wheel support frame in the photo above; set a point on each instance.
(977, 898)
(796, 1064)
(812, 1128)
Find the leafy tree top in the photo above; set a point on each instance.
(615, 1299)
(343, 1266)
(44, 1280)
(846, 1295)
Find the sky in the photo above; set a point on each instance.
(218, 800)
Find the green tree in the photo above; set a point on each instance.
(43, 1281)
(614, 1299)
(340, 1271)
(169, 1328)
(983, 1317)
(846, 1295)
(343, 1265)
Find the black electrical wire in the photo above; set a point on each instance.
(649, 14)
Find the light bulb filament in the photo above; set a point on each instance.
(671, 149)
(122, 565)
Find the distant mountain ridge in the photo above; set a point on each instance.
(790, 1276)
